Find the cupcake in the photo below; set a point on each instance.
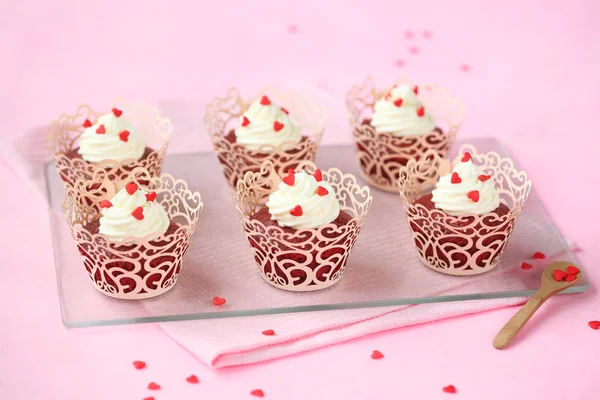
(133, 248)
(392, 127)
(126, 137)
(463, 225)
(302, 237)
(284, 128)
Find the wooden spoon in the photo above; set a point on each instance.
(549, 287)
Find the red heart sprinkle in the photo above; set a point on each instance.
(559, 275)
(449, 389)
(153, 386)
(117, 112)
(257, 393)
(388, 96)
(539, 256)
(131, 187)
(192, 379)
(484, 178)
(105, 204)
(398, 102)
(290, 179)
(245, 121)
(149, 398)
(571, 278)
(151, 196)
(296, 211)
(268, 332)
(473, 195)
(421, 111)
(265, 101)
(291, 171)
(526, 266)
(139, 364)
(101, 130)
(318, 175)
(138, 213)
(455, 178)
(321, 191)
(124, 135)
(87, 123)
(594, 324)
(277, 126)
(285, 111)
(416, 90)
(376, 355)
(466, 157)
(572, 270)
(218, 301)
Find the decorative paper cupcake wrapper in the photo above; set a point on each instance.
(222, 116)
(136, 268)
(381, 155)
(469, 244)
(64, 133)
(284, 259)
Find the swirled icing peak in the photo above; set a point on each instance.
(303, 201)
(466, 190)
(401, 113)
(266, 123)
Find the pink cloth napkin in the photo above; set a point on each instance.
(236, 341)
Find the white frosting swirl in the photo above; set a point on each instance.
(118, 223)
(95, 147)
(453, 198)
(267, 125)
(317, 210)
(403, 119)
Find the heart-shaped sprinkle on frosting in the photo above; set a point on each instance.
(124, 135)
(466, 157)
(416, 90)
(105, 204)
(455, 178)
(318, 175)
(87, 123)
(138, 213)
(473, 195)
(285, 110)
(265, 101)
(296, 211)
(151, 196)
(484, 178)
(398, 102)
(421, 111)
(321, 191)
(290, 179)
(117, 112)
(131, 187)
(277, 126)
(101, 130)
(245, 121)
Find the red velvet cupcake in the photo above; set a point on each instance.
(463, 225)
(302, 237)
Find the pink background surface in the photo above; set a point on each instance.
(532, 83)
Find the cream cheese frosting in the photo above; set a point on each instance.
(111, 137)
(303, 201)
(402, 113)
(133, 212)
(466, 190)
(266, 123)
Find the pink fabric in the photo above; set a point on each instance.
(528, 84)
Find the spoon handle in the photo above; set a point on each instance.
(514, 325)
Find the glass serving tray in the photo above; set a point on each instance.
(383, 269)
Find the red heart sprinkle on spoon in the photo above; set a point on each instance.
(101, 130)
(572, 270)
(296, 211)
(474, 195)
(416, 90)
(139, 364)
(131, 187)
(87, 123)
(571, 278)
(559, 275)
(117, 112)
(138, 213)
(277, 126)
(153, 386)
(526, 266)
(449, 389)
(265, 101)
(376, 355)
(318, 175)
(539, 256)
(421, 111)
(245, 121)
(124, 135)
(105, 204)
(192, 379)
(285, 111)
(268, 332)
(398, 102)
(455, 178)
(218, 301)
(466, 157)
(290, 179)
(257, 393)
(321, 191)
(484, 178)
(151, 196)
(594, 324)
